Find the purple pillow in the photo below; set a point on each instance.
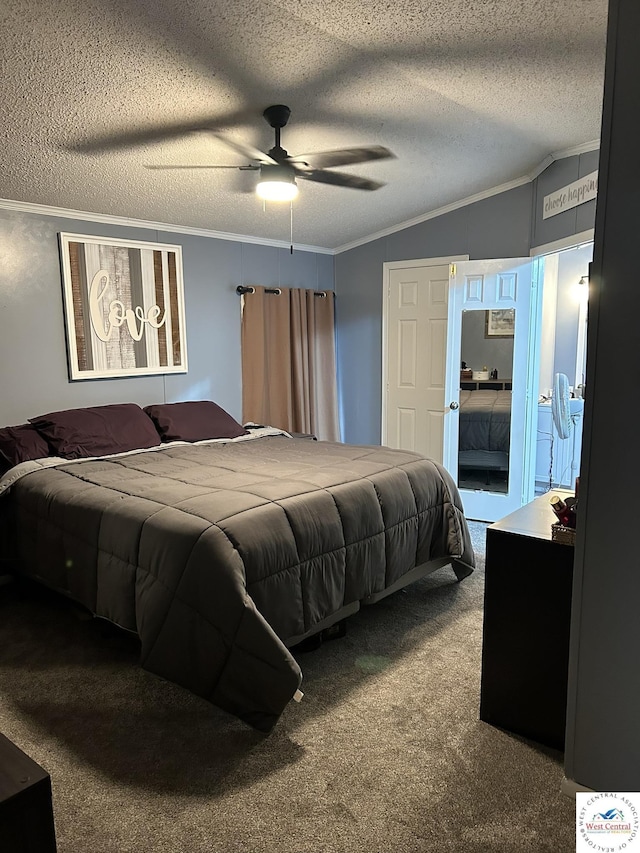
(97, 431)
(20, 444)
(193, 421)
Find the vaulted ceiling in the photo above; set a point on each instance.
(468, 95)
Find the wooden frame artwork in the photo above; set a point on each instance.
(500, 323)
(124, 307)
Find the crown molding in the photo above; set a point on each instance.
(456, 205)
(433, 214)
(47, 210)
(584, 148)
(576, 150)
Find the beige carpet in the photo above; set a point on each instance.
(385, 754)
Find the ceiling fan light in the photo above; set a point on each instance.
(276, 184)
(277, 190)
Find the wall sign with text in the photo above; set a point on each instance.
(584, 189)
(124, 307)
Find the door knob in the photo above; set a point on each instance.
(453, 405)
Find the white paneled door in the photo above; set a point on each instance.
(497, 286)
(416, 354)
(426, 301)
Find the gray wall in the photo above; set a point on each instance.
(603, 718)
(506, 225)
(33, 371)
(33, 361)
(570, 222)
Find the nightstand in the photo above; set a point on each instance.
(26, 811)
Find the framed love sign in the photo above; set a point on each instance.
(124, 307)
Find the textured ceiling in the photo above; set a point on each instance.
(468, 94)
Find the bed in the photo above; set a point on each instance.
(223, 553)
(485, 426)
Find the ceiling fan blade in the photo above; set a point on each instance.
(247, 151)
(343, 156)
(339, 179)
(241, 168)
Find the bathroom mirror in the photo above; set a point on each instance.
(486, 375)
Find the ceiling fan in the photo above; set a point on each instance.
(279, 170)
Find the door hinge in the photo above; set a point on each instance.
(452, 270)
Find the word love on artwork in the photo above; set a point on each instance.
(113, 325)
(135, 318)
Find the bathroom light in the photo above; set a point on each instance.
(277, 183)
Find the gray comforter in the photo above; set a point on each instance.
(221, 555)
(485, 420)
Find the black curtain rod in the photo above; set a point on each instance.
(244, 288)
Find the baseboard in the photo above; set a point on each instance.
(570, 788)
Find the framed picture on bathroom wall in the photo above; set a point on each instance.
(500, 323)
(124, 307)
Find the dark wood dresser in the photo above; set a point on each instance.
(527, 611)
(26, 810)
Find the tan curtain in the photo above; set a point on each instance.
(289, 362)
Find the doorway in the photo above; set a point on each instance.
(550, 337)
(562, 350)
